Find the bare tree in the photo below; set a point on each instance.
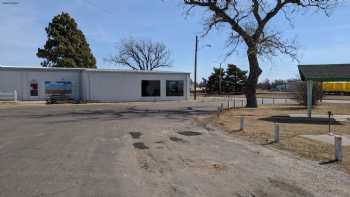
(248, 21)
(141, 55)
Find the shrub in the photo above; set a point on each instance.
(301, 93)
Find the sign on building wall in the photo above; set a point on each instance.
(58, 87)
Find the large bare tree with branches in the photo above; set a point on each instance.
(248, 21)
(141, 55)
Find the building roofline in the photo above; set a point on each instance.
(9, 68)
(324, 72)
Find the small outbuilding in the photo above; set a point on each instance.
(322, 73)
(96, 85)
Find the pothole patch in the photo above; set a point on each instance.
(135, 135)
(176, 139)
(140, 145)
(189, 133)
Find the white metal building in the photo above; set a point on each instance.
(97, 85)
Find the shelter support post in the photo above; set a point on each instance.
(309, 98)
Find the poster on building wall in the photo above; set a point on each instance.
(58, 87)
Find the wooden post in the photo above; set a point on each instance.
(277, 132)
(241, 125)
(338, 148)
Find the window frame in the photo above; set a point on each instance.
(167, 91)
(143, 91)
(34, 92)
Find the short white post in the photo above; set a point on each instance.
(277, 132)
(15, 96)
(241, 125)
(338, 148)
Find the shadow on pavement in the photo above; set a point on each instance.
(299, 120)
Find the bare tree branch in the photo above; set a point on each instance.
(141, 55)
(249, 20)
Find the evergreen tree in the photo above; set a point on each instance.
(232, 80)
(66, 45)
(213, 80)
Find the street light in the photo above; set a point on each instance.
(195, 66)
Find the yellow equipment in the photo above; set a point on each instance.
(336, 87)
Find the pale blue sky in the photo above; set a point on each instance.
(321, 39)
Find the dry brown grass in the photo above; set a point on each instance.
(259, 129)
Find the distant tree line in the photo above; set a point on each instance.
(276, 85)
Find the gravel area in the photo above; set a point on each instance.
(145, 149)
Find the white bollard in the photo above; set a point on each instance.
(277, 132)
(241, 125)
(15, 96)
(338, 148)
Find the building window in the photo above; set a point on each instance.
(34, 88)
(150, 87)
(174, 88)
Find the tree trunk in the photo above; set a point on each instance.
(254, 73)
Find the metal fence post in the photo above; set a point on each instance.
(234, 102)
(15, 96)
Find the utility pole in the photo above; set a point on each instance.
(195, 69)
(220, 73)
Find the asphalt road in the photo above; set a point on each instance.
(152, 149)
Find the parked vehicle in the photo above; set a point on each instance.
(60, 98)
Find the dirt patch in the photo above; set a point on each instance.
(189, 133)
(176, 139)
(140, 145)
(259, 129)
(135, 135)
